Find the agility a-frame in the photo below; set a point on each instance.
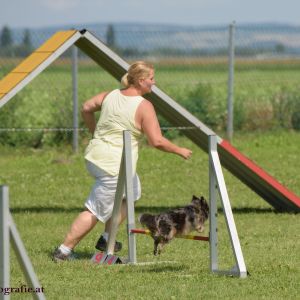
(239, 165)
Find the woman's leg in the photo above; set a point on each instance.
(82, 225)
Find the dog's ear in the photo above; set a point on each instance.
(202, 200)
(204, 203)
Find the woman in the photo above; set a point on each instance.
(123, 109)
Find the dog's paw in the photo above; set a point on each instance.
(200, 228)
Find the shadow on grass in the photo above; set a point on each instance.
(163, 268)
(79, 255)
(238, 210)
(138, 209)
(84, 255)
(46, 209)
(153, 266)
(249, 210)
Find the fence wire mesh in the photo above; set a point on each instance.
(191, 66)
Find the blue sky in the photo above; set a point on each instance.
(41, 13)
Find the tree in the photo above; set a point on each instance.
(279, 48)
(25, 48)
(110, 36)
(6, 37)
(27, 39)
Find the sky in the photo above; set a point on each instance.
(44, 13)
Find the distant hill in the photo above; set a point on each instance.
(160, 38)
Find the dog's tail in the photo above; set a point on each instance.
(148, 221)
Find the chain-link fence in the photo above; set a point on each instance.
(191, 66)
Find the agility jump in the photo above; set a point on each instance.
(216, 182)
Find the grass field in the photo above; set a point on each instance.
(47, 190)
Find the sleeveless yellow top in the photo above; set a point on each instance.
(117, 114)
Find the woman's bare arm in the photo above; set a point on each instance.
(151, 128)
(89, 108)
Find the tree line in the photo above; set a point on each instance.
(9, 48)
(24, 46)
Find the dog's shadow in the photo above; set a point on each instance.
(175, 267)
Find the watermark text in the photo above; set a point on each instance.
(21, 289)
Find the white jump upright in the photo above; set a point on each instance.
(9, 232)
(124, 183)
(217, 182)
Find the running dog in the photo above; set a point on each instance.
(165, 226)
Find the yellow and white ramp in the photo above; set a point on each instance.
(34, 64)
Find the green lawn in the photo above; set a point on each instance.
(48, 188)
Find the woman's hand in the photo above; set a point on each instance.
(185, 153)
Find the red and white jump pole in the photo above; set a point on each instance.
(187, 237)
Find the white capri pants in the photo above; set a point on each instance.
(102, 196)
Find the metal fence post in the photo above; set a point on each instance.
(230, 82)
(4, 240)
(75, 97)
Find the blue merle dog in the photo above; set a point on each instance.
(165, 226)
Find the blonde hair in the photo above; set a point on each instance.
(136, 71)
